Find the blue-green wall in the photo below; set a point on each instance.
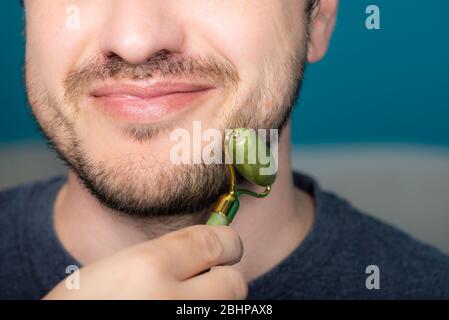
(389, 85)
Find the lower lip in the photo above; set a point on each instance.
(140, 110)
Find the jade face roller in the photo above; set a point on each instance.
(241, 144)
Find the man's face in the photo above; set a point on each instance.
(109, 91)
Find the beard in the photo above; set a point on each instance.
(142, 186)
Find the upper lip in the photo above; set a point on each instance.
(148, 91)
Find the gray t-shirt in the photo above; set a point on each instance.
(331, 263)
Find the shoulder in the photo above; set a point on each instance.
(407, 267)
(17, 202)
(22, 216)
(18, 197)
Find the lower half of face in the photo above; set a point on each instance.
(114, 122)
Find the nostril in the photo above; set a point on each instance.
(139, 38)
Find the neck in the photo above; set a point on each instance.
(274, 226)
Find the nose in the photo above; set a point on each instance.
(137, 29)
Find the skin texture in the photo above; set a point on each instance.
(123, 192)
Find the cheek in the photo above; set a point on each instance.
(256, 40)
(246, 47)
(53, 46)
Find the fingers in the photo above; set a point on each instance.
(221, 283)
(193, 250)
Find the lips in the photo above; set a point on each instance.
(134, 103)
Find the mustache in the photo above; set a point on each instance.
(161, 65)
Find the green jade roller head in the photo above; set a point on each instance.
(244, 146)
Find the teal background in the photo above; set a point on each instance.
(387, 86)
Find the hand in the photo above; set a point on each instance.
(174, 266)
